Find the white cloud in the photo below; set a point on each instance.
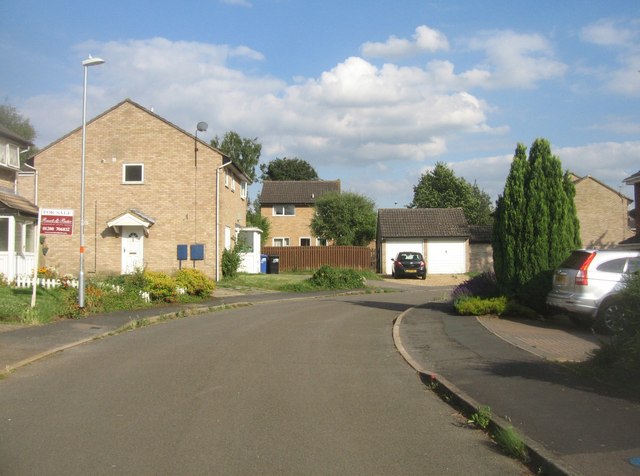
(515, 60)
(425, 39)
(608, 32)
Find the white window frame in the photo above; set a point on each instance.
(233, 183)
(132, 182)
(322, 242)
(308, 238)
(10, 155)
(280, 241)
(243, 190)
(226, 178)
(284, 208)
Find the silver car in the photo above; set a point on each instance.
(586, 284)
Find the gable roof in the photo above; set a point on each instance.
(577, 180)
(422, 223)
(225, 158)
(296, 192)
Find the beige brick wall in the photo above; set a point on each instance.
(292, 227)
(27, 186)
(602, 214)
(180, 197)
(7, 177)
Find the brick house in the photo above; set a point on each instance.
(440, 234)
(602, 212)
(149, 187)
(288, 206)
(18, 215)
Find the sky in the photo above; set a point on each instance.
(373, 93)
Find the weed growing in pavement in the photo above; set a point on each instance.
(482, 417)
(511, 442)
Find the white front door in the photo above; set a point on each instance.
(132, 249)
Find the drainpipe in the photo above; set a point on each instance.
(218, 219)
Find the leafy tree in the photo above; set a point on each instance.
(17, 123)
(255, 218)
(440, 188)
(349, 219)
(536, 225)
(244, 152)
(288, 169)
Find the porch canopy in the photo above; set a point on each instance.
(131, 217)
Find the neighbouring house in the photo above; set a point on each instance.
(156, 197)
(634, 240)
(18, 214)
(440, 234)
(288, 206)
(602, 212)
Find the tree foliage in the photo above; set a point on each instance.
(255, 218)
(244, 152)
(536, 225)
(440, 188)
(348, 219)
(16, 122)
(288, 169)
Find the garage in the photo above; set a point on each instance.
(440, 234)
(446, 256)
(393, 247)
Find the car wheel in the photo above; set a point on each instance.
(611, 318)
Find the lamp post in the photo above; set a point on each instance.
(202, 127)
(86, 63)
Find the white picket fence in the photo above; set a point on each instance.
(48, 283)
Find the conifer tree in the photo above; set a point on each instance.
(536, 225)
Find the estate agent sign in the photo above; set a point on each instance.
(56, 221)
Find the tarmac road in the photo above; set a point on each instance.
(289, 387)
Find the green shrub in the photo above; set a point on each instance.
(160, 286)
(195, 282)
(230, 262)
(337, 278)
(476, 306)
(533, 293)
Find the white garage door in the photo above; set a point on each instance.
(446, 256)
(393, 247)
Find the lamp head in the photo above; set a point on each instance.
(91, 61)
(202, 126)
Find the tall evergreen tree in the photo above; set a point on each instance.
(536, 225)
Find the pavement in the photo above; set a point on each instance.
(520, 369)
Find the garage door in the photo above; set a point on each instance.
(446, 256)
(393, 247)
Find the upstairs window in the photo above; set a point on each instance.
(284, 210)
(9, 155)
(243, 190)
(132, 173)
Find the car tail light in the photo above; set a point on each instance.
(423, 264)
(582, 276)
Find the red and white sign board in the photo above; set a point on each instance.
(56, 221)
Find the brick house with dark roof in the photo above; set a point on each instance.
(288, 206)
(440, 234)
(150, 187)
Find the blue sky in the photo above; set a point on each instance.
(373, 93)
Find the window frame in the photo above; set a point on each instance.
(308, 240)
(285, 241)
(284, 207)
(132, 182)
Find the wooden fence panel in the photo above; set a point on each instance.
(293, 258)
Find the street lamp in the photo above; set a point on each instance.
(202, 127)
(86, 63)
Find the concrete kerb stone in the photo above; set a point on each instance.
(540, 460)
